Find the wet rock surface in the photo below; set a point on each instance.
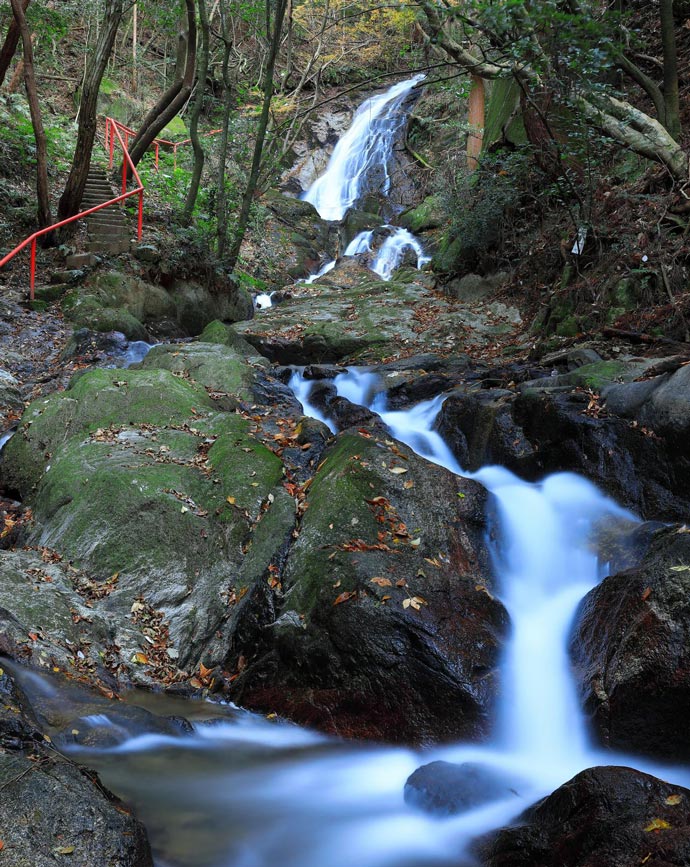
(631, 652)
(385, 626)
(602, 817)
(447, 789)
(51, 809)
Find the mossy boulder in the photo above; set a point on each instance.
(387, 628)
(89, 311)
(426, 216)
(135, 474)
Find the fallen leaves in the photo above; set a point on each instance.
(415, 602)
(658, 825)
(345, 596)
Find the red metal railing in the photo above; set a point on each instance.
(138, 191)
(155, 144)
(113, 130)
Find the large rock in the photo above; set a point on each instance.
(374, 321)
(631, 652)
(52, 811)
(140, 481)
(386, 627)
(114, 301)
(291, 242)
(626, 436)
(603, 817)
(447, 789)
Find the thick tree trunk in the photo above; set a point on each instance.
(70, 200)
(250, 190)
(43, 206)
(172, 101)
(668, 41)
(195, 113)
(639, 132)
(475, 120)
(9, 46)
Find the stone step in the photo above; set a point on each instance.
(113, 246)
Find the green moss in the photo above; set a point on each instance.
(87, 311)
(247, 469)
(568, 327)
(218, 367)
(601, 373)
(174, 130)
(97, 399)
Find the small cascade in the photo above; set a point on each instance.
(263, 301)
(391, 252)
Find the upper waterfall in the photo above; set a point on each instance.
(361, 157)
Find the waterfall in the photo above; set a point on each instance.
(360, 164)
(361, 157)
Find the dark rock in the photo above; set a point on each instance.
(407, 657)
(603, 817)
(631, 651)
(550, 429)
(85, 342)
(446, 789)
(52, 811)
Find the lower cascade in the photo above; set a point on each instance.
(243, 791)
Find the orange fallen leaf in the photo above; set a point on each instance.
(344, 597)
(382, 582)
(646, 594)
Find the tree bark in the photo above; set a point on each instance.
(620, 120)
(70, 201)
(43, 205)
(222, 198)
(668, 41)
(195, 113)
(250, 190)
(172, 101)
(475, 120)
(9, 46)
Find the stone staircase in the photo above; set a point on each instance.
(109, 230)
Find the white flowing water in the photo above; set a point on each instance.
(362, 152)
(263, 300)
(249, 793)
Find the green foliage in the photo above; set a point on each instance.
(479, 205)
(18, 134)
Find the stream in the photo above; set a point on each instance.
(244, 791)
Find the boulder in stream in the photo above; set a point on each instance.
(631, 651)
(386, 626)
(603, 817)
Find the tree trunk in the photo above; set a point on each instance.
(222, 200)
(475, 120)
(172, 101)
(70, 200)
(9, 46)
(195, 114)
(668, 41)
(250, 189)
(43, 206)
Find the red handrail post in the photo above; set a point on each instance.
(32, 270)
(140, 221)
(112, 146)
